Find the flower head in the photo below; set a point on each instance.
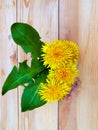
(64, 74)
(52, 91)
(59, 52)
(75, 50)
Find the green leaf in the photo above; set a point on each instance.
(30, 98)
(10, 81)
(27, 37)
(22, 75)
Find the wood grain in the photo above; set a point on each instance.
(78, 22)
(8, 58)
(68, 29)
(63, 19)
(43, 15)
(87, 104)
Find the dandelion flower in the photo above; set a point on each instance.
(64, 74)
(56, 53)
(52, 91)
(59, 52)
(75, 50)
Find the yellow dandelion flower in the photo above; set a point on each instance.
(66, 74)
(59, 52)
(52, 91)
(56, 53)
(74, 47)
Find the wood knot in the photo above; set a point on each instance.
(2, 72)
(26, 2)
(13, 58)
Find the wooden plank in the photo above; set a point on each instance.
(87, 103)
(8, 58)
(43, 15)
(68, 29)
(78, 21)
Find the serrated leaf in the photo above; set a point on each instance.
(30, 98)
(22, 75)
(27, 37)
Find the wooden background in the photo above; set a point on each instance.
(75, 20)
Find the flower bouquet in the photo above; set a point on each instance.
(53, 71)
